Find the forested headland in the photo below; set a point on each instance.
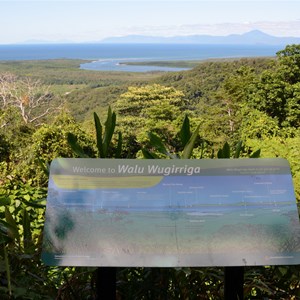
(250, 102)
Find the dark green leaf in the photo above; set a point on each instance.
(12, 228)
(35, 204)
(202, 150)
(189, 147)
(226, 150)
(158, 144)
(76, 148)
(185, 132)
(99, 141)
(4, 200)
(45, 166)
(4, 226)
(148, 155)
(220, 153)
(255, 154)
(110, 125)
(4, 239)
(238, 149)
(26, 230)
(119, 145)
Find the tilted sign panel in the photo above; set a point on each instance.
(169, 213)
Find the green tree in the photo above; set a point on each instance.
(222, 117)
(276, 146)
(256, 124)
(278, 90)
(49, 142)
(154, 107)
(289, 60)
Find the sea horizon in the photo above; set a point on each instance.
(109, 57)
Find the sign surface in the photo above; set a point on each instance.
(171, 213)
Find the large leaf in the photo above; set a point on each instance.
(202, 150)
(13, 231)
(4, 239)
(188, 149)
(36, 204)
(224, 152)
(158, 144)
(76, 148)
(4, 230)
(99, 141)
(238, 149)
(220, 153)
(148, 155)
(185, 132)
(44, 165)
(110, 125)
(255, 154)
(119, 145)
(5, 227)
(27, 231)
(4, 200)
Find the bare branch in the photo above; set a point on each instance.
(30, 97)
(3, 125)
(50, 109)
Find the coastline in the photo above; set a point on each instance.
(188, 63)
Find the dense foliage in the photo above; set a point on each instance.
(201, 113)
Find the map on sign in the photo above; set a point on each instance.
(171, 213)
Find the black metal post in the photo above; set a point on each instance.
(234, 283)
(106, 283)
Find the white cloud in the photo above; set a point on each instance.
(83, 21)
(273, 28)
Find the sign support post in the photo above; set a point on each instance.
(106, 283)
(233, 283)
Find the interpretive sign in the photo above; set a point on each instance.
(170, 213)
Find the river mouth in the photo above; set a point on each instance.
(124, 65)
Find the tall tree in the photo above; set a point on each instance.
(31, 99)
(151, 107)
(278, 91)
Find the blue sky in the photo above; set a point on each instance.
(88, 21)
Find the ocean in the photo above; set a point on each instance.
(109, 57)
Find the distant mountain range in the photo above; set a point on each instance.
(254, 37)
